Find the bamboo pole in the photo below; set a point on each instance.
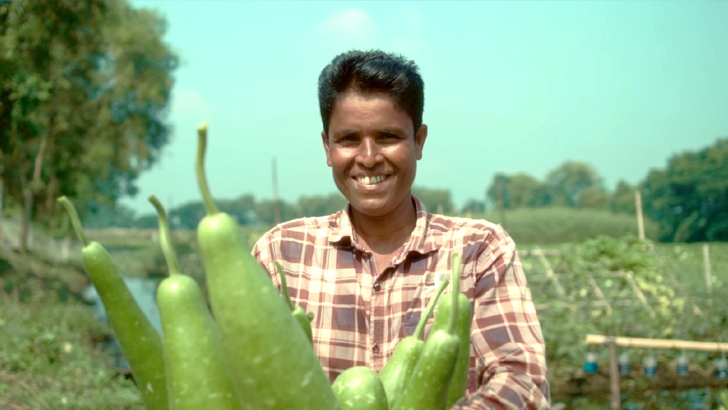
(638, 292)
(550, 272)
(640, 221)
(598, 291)
(658, 343)
(614, 374)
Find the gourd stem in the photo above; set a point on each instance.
(210, 206)
(420, 329)
(455, 268)
(165, 237)
(284, 287)
(75, 221)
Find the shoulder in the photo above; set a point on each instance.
(296, 231)
(468, 230)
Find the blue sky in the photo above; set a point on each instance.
(509, 87)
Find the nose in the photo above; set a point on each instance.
(369, 153)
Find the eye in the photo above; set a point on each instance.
(387, 137)
(348, 139)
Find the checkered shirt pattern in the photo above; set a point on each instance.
(360, 318)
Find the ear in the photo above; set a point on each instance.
(420, 138)
(325, 140)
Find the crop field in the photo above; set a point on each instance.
(52, 354)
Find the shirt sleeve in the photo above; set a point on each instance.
(265, 253)
(509, 348)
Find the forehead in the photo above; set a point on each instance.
(354, 108)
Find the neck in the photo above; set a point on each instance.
(385, 234)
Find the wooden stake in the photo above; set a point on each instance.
(550, 272)
(658, 343)
(614, 374)
(636, 289)
(640, 222)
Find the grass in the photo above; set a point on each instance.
(51, 358)
(551, 226)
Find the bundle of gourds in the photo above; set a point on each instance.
(253, 349)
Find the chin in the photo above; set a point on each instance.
(371, 207)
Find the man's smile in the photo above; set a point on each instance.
(371, 180)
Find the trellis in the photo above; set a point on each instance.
(552, 278)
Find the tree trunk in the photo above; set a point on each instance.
(29, 191)
(25, 218)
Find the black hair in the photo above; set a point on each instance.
(372, 71)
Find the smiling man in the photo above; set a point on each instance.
(368, 271)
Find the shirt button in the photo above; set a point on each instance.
(377, 286)
(375, 349)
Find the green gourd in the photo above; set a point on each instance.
(271, 364)
(459, 385)
(359, 388)
(430, 382)
(141, 343)
(195, 365)
(397, 371)
(298, 313)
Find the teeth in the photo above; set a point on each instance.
(372, 180)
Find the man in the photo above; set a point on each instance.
(368, 271)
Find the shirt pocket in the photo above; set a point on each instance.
(425, 292)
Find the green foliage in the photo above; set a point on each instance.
(434, 200)
(84, 88)
(560, 225)
(518, 191)
(666, 304)
(319, 205)
(623, 199)
(690, 196)
(49, 360)
(569, 181)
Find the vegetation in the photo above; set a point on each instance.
(547, 226)
(52, 347)
(690, 196)
(84, 88)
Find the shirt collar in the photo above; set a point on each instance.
(422, 240)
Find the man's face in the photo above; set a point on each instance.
(372, 151)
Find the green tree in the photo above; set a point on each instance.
(84, 88)
(518, 191)
(434, 200)
(567, 182)
(689, 197)
(594, 198)
(622, 199)
(265, 211)
(320, 205)
(474, 206)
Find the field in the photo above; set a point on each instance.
(52, 353)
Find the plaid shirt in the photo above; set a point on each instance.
(360, 318)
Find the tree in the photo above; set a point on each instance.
(434, 200)
(623, 198)
(84, 88)
(518, 191)
(474, 206)
(320, 205)
(593, 198)
(689, 197)
(265, 211)
(567, 182)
